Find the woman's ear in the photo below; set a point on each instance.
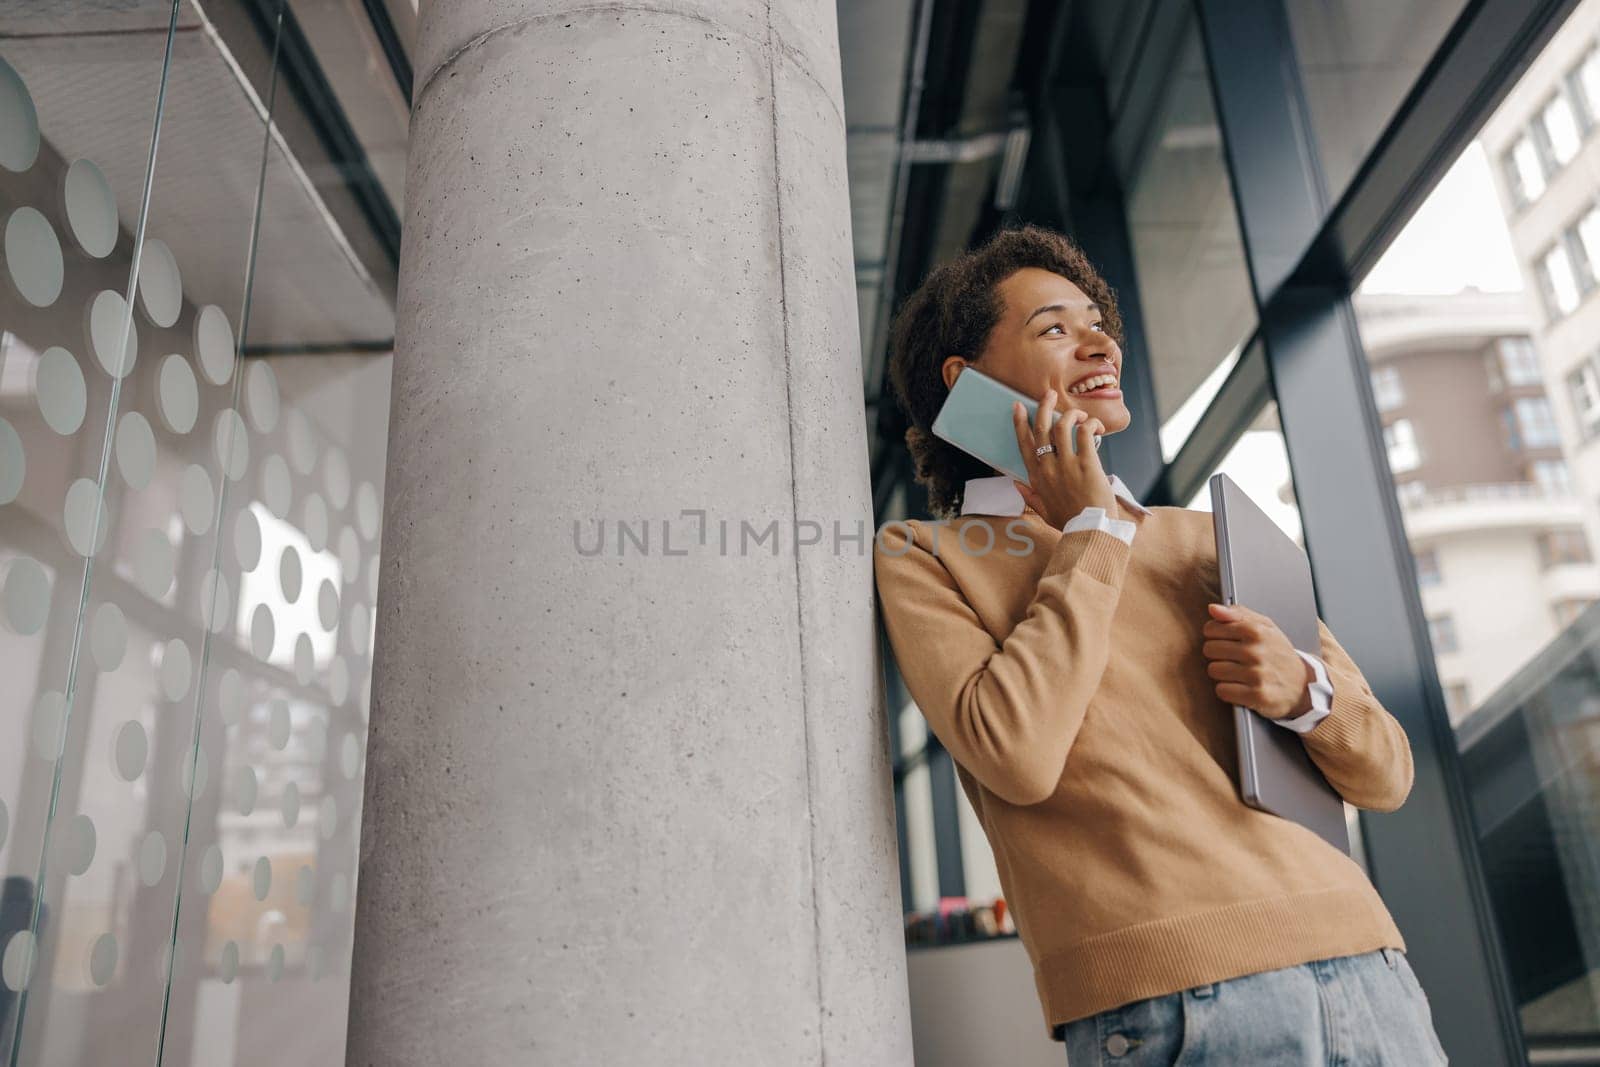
(952, 367)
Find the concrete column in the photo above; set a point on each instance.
(627, 808)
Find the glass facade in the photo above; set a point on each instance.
(194, 376)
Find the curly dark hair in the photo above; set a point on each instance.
(952, 314)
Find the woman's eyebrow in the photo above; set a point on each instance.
(1090, 305)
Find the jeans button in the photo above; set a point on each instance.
(1117, 1044)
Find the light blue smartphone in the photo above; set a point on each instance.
(976, 418)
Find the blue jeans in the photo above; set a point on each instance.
(1366, 1010)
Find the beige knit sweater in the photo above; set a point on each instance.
(1064, 674)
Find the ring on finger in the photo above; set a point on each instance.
(1044, 449)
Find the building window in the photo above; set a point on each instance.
(1401, 440)
(1410, 493)
(1427, 562)
(1559, 281)
(1442, 632)
(1455, 700)
(1386, 387)
(1560, 128)
(1563, 546)
(1588, 233)
(1584, 386)
(1519, 361)
(1585, 83)
(1537, 422)
(1567, 611)
(1525, 171)
(1553, 476)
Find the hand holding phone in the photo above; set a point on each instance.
(1062, 482)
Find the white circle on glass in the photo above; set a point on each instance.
(289, 573)
(262, 879)
(336, 477)
(302, 445)
(210, 869)
(349, 555)
(261, 395)
(304, 662)
(27, 595)
(338, 681)
(154, 560)
(328, 605)
(367, 510)
(289, 804)
(215, 600)
(49, 717)
(177, 394)
(103, 959)
(262, 635)
(136, 449)
(108, 637)
(16, 964)
(213, 343)
(245, 789)
(177, 669)
(60, 390)
(349, 756)
(19, 122)
(110, 323)
(85, 519)
(247, 540)
(275, 486)
(160, 289)
(91, 208)
(77, 845)
(196, 498)
(230, 693)
(231, 443)
(338, 888)
(33, 257)
(278, 724)
(229, 967)
(12, 462)
(372, 578)
(152, 857)
(130, 748)
(275, 964)
(305, 885)
(328, 816)
(316, 522)
(194, 774)
(359, 628)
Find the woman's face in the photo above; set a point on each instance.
(1050, 336)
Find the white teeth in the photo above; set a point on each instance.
(1094, 383)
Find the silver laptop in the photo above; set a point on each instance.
(1262, 568)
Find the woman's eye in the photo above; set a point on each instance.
(1099, 326)
(1055, 326)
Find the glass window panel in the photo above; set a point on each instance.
(196, 765)
(1529, 170)
(1386, 389)
(1561, 128)
(1587, 81)
(1563, 283)
(1359, 59)
(1510, 575)
(1188, 256)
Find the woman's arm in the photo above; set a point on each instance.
(1006, 712)
(1360, 747)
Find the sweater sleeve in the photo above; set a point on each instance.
(1007, 712)
(1359, 746)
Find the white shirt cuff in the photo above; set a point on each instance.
(1321, 690)
(1097, 519)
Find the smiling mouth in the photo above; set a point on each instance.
(1101, 385)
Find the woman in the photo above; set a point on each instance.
(1066, 645)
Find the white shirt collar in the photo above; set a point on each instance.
(998, 496)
